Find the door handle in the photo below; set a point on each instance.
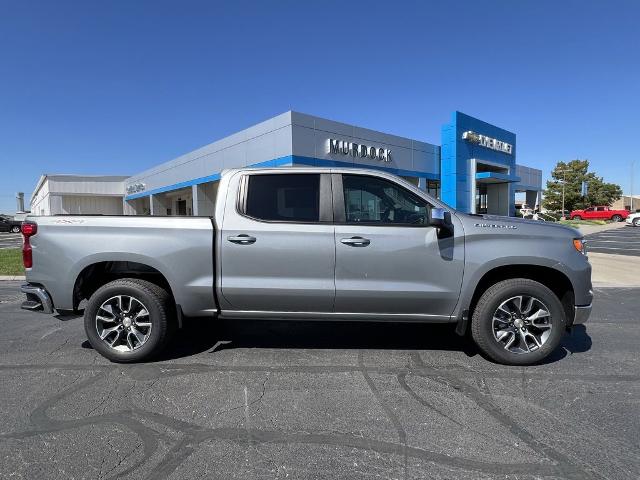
(242, 239)
(356, 241)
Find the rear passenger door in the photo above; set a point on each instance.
(601, 213)
(278, 251)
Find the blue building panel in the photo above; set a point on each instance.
(461, 157)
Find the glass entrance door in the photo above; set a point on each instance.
(481, 198)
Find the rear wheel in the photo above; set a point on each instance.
(616, 218)
(128, 320)
(636, 222)
(576, 217)
(15, 229)
(518, 322)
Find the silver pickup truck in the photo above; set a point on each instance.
(311, 243)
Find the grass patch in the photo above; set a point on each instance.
(583, 222)
(11, 261)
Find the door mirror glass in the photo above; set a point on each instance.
(440, 218)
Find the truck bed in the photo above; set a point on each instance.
(178, 248)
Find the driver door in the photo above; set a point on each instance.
(388, 259)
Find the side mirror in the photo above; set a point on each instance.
(440, 218)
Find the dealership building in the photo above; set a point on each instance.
(473, 170)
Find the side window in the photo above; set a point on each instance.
(374, 200)
(600, 209)
(288, 197)
(590, 209)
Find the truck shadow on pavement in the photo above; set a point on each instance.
(202, 335)
(198, 336)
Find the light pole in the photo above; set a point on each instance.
(633, 162)
(564, 182)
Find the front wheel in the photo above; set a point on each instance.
(577, 217)
(518, 322)
(616, 218)
(15, 229)
(636, 222)
(128, 320)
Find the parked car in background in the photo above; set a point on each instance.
(599, 213)
(634, 219)
(8, 224)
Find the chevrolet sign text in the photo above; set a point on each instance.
(488, 142)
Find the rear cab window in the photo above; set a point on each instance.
(289, 197)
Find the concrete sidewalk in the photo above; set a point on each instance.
(615, 270)
(588, 229)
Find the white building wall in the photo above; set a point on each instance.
(76, 184)
(89, 205)
(40, 201)
(78, 194)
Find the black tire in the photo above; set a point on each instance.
(636, 222)
(15, 229)
(482, 321)
(159, 305)
(616, 218)
(576, 217)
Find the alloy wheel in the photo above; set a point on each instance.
(123, 323)
(522, 324)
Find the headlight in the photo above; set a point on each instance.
(579, 245)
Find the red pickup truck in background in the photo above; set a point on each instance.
(599, 213)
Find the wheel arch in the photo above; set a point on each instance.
(554, 279)
(96, 274)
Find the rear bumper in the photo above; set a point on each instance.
(581, 314)
(38, 300)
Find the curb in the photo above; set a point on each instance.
(12, 277)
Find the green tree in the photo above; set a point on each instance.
(574, 173)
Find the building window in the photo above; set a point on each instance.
(374, 200)
(433, 188)
(290, 197)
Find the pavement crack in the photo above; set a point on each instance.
(567, 466)
(395, 420)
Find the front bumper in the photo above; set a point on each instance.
(581, 314)
(38, 300)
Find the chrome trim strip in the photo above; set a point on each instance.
(581, 314)
(41, 293)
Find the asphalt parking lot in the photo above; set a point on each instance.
(618, 241)
(319, 400)
(10, 240)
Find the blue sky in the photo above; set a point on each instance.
(116, 87)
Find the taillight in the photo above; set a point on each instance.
(28, 230)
